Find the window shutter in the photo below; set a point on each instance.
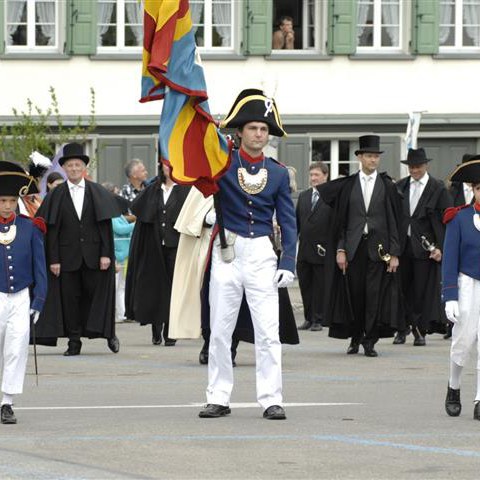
(2, 27)
(81, 27)
(258, 24)
(426, 21)
(294, 151)
(342, 16)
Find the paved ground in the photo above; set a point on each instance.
(134, 415)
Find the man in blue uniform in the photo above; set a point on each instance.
(22, 267)
(252, 190)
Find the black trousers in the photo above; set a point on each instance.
(364, 282)
(311, 279)
(77, 290)
(169, 255)
(415, 274)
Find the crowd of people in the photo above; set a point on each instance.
(374, 259)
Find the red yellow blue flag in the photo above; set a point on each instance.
(189, 139)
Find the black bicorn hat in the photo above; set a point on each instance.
(369, 144)
(416, 157)
(252, 105)
(468, 172)
(73, 150)
(38, 165)
(15, 182)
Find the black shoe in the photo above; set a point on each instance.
(275, 412)
(212, 410)
(74, 347)
(448, 334)
(419, 341)
(316, 327)
(369, 350)
(353, 347)
(203, 356)
(305, 325)
(169, 342)
(114, 344)
(156, 340)
(453, 406)
(476, 411)
(7, 415)
(399, 339)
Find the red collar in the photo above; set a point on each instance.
(250, 159)
(10, 219)
(476, 206)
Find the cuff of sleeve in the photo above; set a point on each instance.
(287, 263)
(450, 293)
(37, 304)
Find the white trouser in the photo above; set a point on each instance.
(465, 333)
(120, 294)
(14, 338)
(252, 270)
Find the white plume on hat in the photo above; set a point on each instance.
(40, 160)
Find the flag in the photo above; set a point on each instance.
(189, 139)
(413, 127)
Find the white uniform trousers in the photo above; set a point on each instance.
(252, 271)
(14, 338)
(120, 293)
(466, 331)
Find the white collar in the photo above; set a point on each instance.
(165, 188)
(422, 181)
(373, 175)
(80, 184)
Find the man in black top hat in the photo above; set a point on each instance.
(362, 297)
(23, 281)
(80, 257)
(424, 201)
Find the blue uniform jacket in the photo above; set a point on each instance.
(22, 262)
(461, 252)
(250, 216)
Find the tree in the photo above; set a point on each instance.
(42, 130)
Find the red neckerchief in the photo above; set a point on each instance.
(250, 159)
(10, 219)
(476, 206)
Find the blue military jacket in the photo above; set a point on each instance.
(461, 252)
(22, 262)
(250, 216)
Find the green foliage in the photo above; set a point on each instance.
(43, 130)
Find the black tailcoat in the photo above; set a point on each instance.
(312, 227)
(151, 259)
(457, 194)
(78, 244)
(384, 311)
(421, 275)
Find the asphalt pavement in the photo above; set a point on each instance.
(134, 415)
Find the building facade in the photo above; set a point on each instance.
(357, 67)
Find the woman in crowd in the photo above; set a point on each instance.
(461, 284)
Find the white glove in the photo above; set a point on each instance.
(34, 314)
(211, 217)
(452, 311)
(283, 278)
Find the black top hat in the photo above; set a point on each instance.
(73, 150)
(468, 172)
(14, 182)
(369, 144)
(416, 157)
(253, 106)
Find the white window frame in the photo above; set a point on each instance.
(120, 33)
(458, 33)
(30, 47)
(377, 30)
(208, 28)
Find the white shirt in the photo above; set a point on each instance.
(166, 192)
(367, 182)
(422, 184)
(77, 192)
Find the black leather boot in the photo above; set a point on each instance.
(453, 406)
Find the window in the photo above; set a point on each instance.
(213, 22)
(32, 25)
(459, 24)
(120, 25)
(337, 154)
(299, 19)
(379, 25)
